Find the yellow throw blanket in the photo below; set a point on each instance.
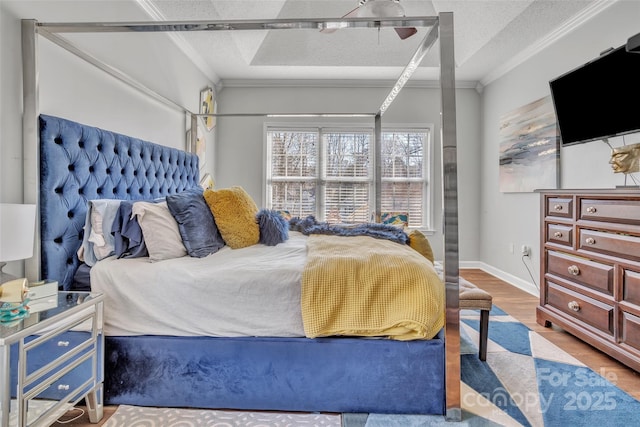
(360, 285)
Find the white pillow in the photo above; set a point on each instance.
(160, 231)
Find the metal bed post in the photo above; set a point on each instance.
(193, 136)
(377, 162)
(450, 220)
(30, 151)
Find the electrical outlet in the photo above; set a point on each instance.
(526, 250)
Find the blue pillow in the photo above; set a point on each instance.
(198, 230)
(274, 228)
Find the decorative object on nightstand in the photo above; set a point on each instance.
(17, 228)
(14, 290)
(42, 289)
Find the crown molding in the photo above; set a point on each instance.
(154, 13)
(578, 20)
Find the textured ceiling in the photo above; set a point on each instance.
(491, 36)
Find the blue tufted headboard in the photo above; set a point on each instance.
(80, 163)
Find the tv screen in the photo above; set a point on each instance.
(599, 99)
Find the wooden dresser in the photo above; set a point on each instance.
(590, 268)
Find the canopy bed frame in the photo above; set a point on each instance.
(448, 403)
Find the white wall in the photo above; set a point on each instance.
(514, 218)
(240, 140)
(73, 89)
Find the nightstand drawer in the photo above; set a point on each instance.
(583, 271)
(67, 386)
(560, 207)
(619, 245)
(54, 348)
(587, 310)
(560, 234)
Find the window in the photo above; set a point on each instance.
(329, 173)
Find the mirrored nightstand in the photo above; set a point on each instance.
(52, 359)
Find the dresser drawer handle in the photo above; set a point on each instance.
(557, 207)
(590, 241)
(591, 210)
(63, 387)
(63, 343)
(557, 234)
(573, 270)
(574, 306)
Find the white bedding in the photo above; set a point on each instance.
(253, 291)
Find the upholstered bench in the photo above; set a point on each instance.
(473, 298)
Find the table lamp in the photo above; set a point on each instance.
(17, 228)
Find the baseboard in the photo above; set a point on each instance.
(502, 275)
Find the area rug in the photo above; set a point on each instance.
(526, 381)
(132, 416)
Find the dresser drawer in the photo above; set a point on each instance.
(630, 333)
(588, 273)
(560, 207)
(619, 245)
(631, 287)
(560, 234)
(624, 211)
(582, 308)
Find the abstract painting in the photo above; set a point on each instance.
(529, 148)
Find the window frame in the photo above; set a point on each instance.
(322, 128)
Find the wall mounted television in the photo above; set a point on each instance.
(600, 99)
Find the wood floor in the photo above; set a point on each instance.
(522, 306)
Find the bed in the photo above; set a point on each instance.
(174, 368)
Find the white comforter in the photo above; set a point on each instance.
(254, 291)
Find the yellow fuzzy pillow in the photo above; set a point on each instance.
(234, 212)
(420, 243)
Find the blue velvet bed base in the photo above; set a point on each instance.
(81, 163)
(289, 374)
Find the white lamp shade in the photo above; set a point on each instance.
(17, 228)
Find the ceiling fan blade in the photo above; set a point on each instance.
(406, 32)
(352, 14)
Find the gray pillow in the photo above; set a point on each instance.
(160, 231)
(197, 227)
